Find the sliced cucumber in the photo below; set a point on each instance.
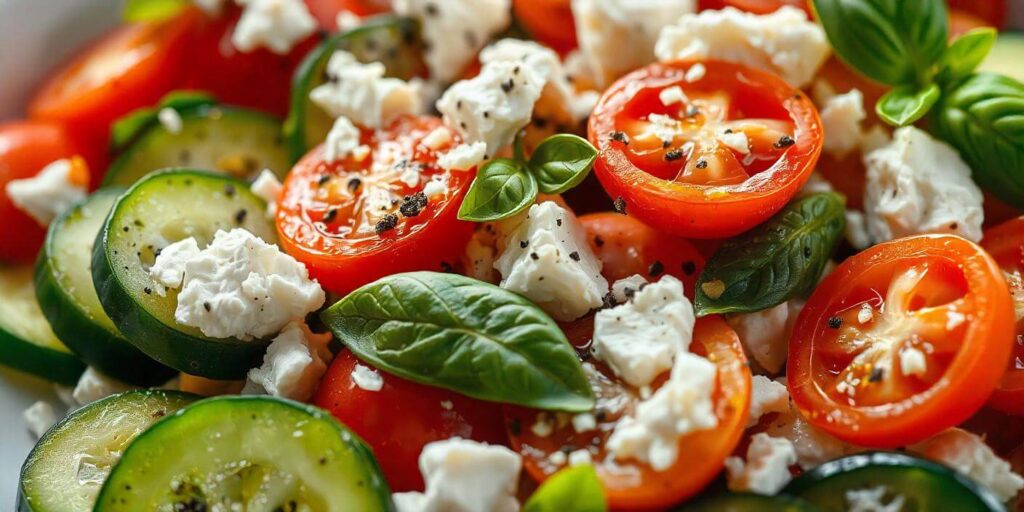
(391, 40)
(27, 342)
(1007, 56)
(246, 453)
(745, 502)
(68, 298)
(65, 470)
(163, 208)
(234, 141)
(920, 483)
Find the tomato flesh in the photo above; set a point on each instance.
(548, 21)
(1006, 244)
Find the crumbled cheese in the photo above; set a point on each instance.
(737, 141)
(912, 362)
(841, 118)
(640, 338)
(437, 186)
(93, 385)
(367, 378)
(342, 140)
(580, 457)
(465, 476)
(918, 184)
(39, 417)
(438, 139)
(211, 7)
(543, 426)
(968, 454)
(170, 119)
(273, 24)
(558, 458)
(169, 268)
(865, 314)
(241, 287)
(347, 20)
(695, 73)
(784, 42)
(361, 93)
(813, 446)
(618, 36)
(447, 405)
(672, 95)
(584, 422)
(872, 499)
(463, 157)
(766, 396)
(765, 334)
(293, 365)
(268, 188)
(857, 230)
(766, 468)
(50, 193)
(547, 259)
(626, 287)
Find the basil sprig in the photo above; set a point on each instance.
(573, 488)
(506, 186)
(127, 128)
(780, 259)
(151, 10)
(468, 336)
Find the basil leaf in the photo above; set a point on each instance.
(576, 488)
(561, 162)
(780, 259)
(151, 10)
(502, 188)
(468, 336)
(983, 118)
(905, 105)
(896, 42)
(966, 54)
(127, 128)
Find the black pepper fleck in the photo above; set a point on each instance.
(389, 222)
(413, 204)
(674, 155)
(575, 256)
(784, 142)
(702, 164)
(240, 215)
(523, 244)
(834, 322)
(876, 375)
(508, 86)
(354, 184)
(534, 256)
(689, 268)
(656, 269)
(598, 241)
(330, 216)
(620, 205)
(620, 137)
(229, 190)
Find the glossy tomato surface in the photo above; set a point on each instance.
(1006, 244)
(706, 157)
(902, 341)
(993, 12)
(401, 418)
(359, 219)
(548, 21)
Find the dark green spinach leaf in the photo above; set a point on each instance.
(502, 188)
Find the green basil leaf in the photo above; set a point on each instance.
(776, 261)
(152, 10)
(983, 118)
(128, 127)
(896, 42)
(966, 54)
(468, 336)
(561, 162)
(575, 488)
(905, 105)
(502, 188)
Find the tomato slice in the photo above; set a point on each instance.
(993, 12)
(326, 11)
(733, 149)
(354, 221)
(1006, 244)
(548, 21)
(756, 6)
(401, 418)
(902, 341)
(634, 486)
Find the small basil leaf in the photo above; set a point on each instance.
(128, 127)
(468, 336)
(151, 10)
(905, 105)
(896, 42)
(780, 259)
(575, 488)
(561, 162)
(966, 54)
(502, 188)
(983, 118)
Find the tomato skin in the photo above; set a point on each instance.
(756, 6)
(993, 12)
(697, 211)
(1006, 244)
(326, 11)
(548, 21)
(965, 378)
(402, 417)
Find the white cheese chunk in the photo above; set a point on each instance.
(93, 385)
(342, 140)
(169, 268)
(361, 93)
(465, 476)
(293, 365)
(672, 95)
(463, 157)
(579, 457)
(347, 20)
(625, 288)
(784, 42)
(39, 417)
(857, 230)
(813, 446)
(765, 334)
(241, 287)
(46, 195)
(268, 188)
(170, 119)
(211, 7)
(438, 139)
(367, 378)
(737, 141)
(276, 25)
(918, 184)
(547, 259)
(872, 499)
(766, 396)
(584, 422)
(766, 468)
(968, 454)
(841, 117)
(640, 338)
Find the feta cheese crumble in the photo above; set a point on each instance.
(626, 288)
(169, 267)
(170, 119)
(94, 385)
(766, 396)
(463, 157)
(765, 334)
(39, 417)
(276, 25)
(268, 188)
(872, 499)
(465, 476)
(841, 118)
(968, 454)
(547, 259)
(366, 378)
(293, 365)
(50, 193)
(342, 140)
(361, 93)
(766, 468)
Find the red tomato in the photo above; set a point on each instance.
(25, 148)
(347, 221)
(994, 12)
(1006, 244)
(962, 22)
(734, 151)
(902, 341)
(756, 6)
(548, 21)
(402, 417)
(326, 11)
(632, 486)
(627, 246)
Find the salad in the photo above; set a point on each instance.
(538, 255)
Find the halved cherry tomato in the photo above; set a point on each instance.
(25, 148)
(756, 6)
(357, 220)
(962, 22)
(629, 485)
(403, 416)
(993, 12)
(326, 11)
(1006, 244)
(734, 148)
(901, 341)
(627, 246)
(548, 21)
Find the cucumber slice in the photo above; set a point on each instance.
(234, 141)
(1007, 56)
(27, 342)
(69, 302)
(163, 208)
(923, 484)
(65, 470)
(246, 453)
(391, 40)
(747, 502)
